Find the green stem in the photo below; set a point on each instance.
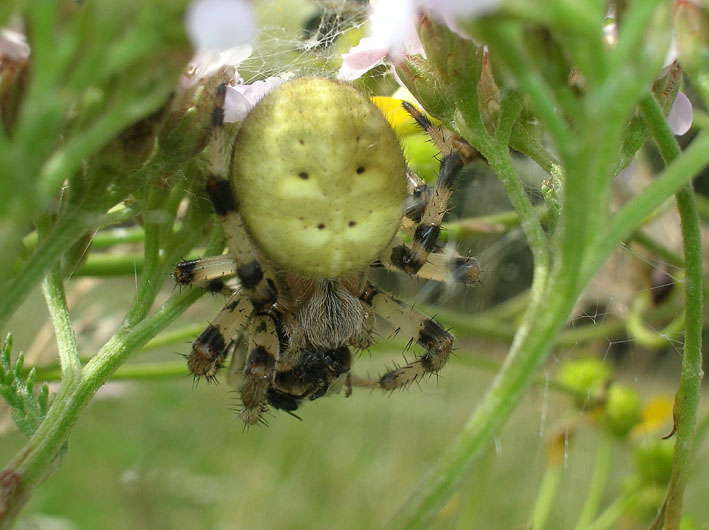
(626, 221)
(105, 238)
(545, 496)
(687, 398)
(486, 224)
(130, 371)
(53, 289)
(105, 265)
(615, 511)
(598, 482)
(703, 207)
(498, 157)
(657, 248)
(526, 143)
(64, 234)
(534, 337)
(153, 266)
(35, 461)
(31, 466)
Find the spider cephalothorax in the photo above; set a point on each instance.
(317, 191)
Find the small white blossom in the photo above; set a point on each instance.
(13, 45)
(362, 58)
(207, 63)
(220, 24)
(393, 30)
(240, 99)
(681, 115)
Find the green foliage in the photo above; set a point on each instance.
(97, 130)
(28, 411)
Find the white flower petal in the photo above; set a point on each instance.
(392, 23)
(236, 106)
(361, 58)
(463, 9)
(13, 44)
(240, 99)
(393, 30)
(681, 115)
(207, 63)
(220, 24)
(236, 55)
(450, 11)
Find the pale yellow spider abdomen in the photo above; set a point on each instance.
(320, 178)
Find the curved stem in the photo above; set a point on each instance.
(543, 319)
(687, 398)
(34, 462)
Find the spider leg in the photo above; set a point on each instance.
(441, 266)
(210, 349)
(256, 275)
(419, 195)
(260, 367)
(207, 273)
(411, 259)
(415, 325)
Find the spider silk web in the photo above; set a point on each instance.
(370, 450)
(629, 287)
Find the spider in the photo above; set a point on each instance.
(317, 191)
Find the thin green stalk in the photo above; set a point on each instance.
(626, 221)
(498, 157)
(526, 143)
(654, 246)
(64, 234)
(598, 482)
(505, 39)
(132, 372)
(703, 207)
(153, 266)
(35, 461)
(105, 238)
(532, 343)
(687, 398)
(32, 465)
(117, 236)
(53, 289)
(105, 265)
(486, 224)
(615, 511)
(545, 496)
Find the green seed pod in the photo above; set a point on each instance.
(587, 378)
(622, 411)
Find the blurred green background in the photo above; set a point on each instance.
(164, 454)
